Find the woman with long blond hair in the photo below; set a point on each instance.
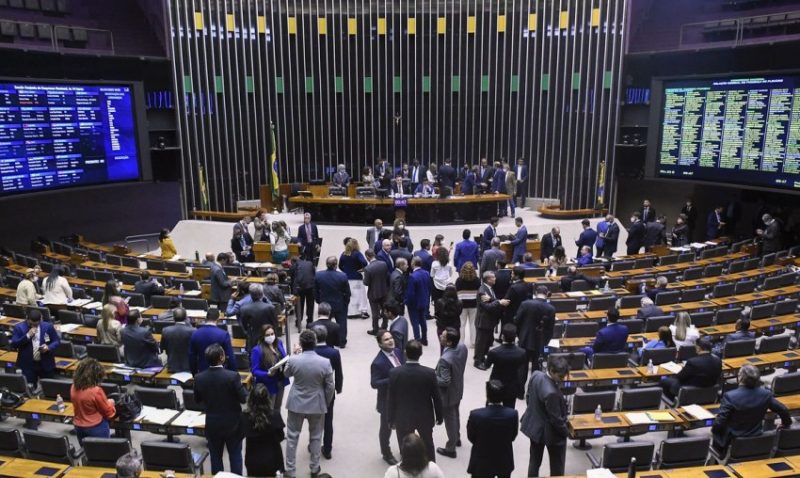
(109, 329)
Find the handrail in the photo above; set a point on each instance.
(141, 238)
(738, 25)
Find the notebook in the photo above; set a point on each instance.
(698, 412)
(638, 418)
(661, 416)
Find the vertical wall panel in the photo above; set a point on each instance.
(353, 81)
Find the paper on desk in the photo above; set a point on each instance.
(554, 343)
(192, 293)
(638, 418)
(189, 418)
(575, 294)
(698, 412)
(182, 377)
(67, 327)
(680, 249)
(672, 367)
(80, 302)
(661, 416)
(599, 473)
(92, 306)
(196, 314)
(697, 245)
(159, 416)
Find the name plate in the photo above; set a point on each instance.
(401, 202)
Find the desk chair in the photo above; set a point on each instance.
(15, 382)
(667, 298)
(79, 293)
(762, 311)
(693, 295)
(581, 329)
(652, 324)
(644, 262)
(188, 284)
(587, 403)
(735, 266)
(104, 353)
(745, 287)
(579, 285)
(686, 257)
(788, 442)
(50, 447)
(686, 352)
(723, 290)
(576, 360)
(768, 259)
(692, 273)
(189, 403)
(778, 343)
(617, 360)
(786, 384)
(727, 316)
(14, 310)
(52, 387)
(155, 264)
(621, 266)
(702, 319)
(646, 398)
(104, 452)
(194, 304)
(753, 263)
(744, 449)
(668, 260)
(602, 303)
(161, 456)
(689, 394)
(739, 348)
(86, 274)
(173, 266)
(772, 283)
(12, 282)
(160, 301)
(136, 299)
(630, 301)
(157, 397)
(681, 452)
(712, 270)
(11, 443)
(617, 456)
(114, 260)
(565, 305)
(130, 262)
(104, 276)
(538, 272)
(635, 326)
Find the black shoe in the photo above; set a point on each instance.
(364, 316)
(343, 345)
(424, 342)
(446, 452)
(458, 443)
(481, 366)
(390, 459)
(326, 454)
(315, 474)
(372, 332)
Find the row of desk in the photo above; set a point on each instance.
(24, 468)
(769, 468)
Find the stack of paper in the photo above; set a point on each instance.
(599, 473)
(159, 416)
(67, 328)
(196, 314)
(189, 419)
(698, 412)
(575, 294)
(661, 416)
(672, 367)
(554, 343)
(192, 293)
(182, 377)
(80, 302)
(638, 418)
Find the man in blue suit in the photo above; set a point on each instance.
(470, 179)
(489, 233)
(418, 299)
(35, 342)
(612, 338)
(425, 189)
(520, 240)
(522, 177)
(330, 353)
(424, 253)
(331, 286)
(492, 430)
(308, 236)
(447, 178)
(499, 185)
(587, 238)
(384, 254)
(466, 251)
(715, 224)
(205, 335)
(387, 359)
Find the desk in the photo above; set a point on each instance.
(676, 267)
(668, 309)
(8, 360)
(22, 468)
(133, 270)
(602, 377)
(769, 324)
(735, 277)
(691, 472)
(533, 247)
(617, 423)
(757, 297)
(39, 409)
(768, 468)
(97, 472)
(763, 361)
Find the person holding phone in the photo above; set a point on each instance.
(35, 340)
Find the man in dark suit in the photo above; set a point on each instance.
(205, 335)
(324, 320)
(550, 241)
(489, 233)
(573, 275)
(398, 327)
(450, 377)
(742, 410)
(522, 177)
(535, 320)
(611, 237)
(470, 182)
(499, 186)
(648, 309)
(702, 370)
(308, 237)
(485, 175)
(503, 277)
(492, 256)
(418, 299)
(400, 186)
(387, 359)
(220, 284)
(302, 273)
(518, 292)
(376, 280)
(742, 332)
(385, 255)
(655, 233)
(612, 338)
(398, 283)
(490, 310)
(447, 178)
(374, 233)
(660, 286)
(466, 251)
(545, 418)
(242, 245)
(35, 342)
(417, 174)
(647, 212)
(636, 233)
(771, 235)
(330, 353)
(587, 237)
(401, 251)
(331, 286)
(255, 315)
(492, 431)
(414, 401)
(141, 349)
(509, 365)
(340, 177)
(520, 240)
(715, 223)
(175, 341)
(424, 190)
(690, 212)
(424, 253)
(221, 393)
(148, 287)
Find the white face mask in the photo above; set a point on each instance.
(401, 227)
(633, 219)
(269, 339)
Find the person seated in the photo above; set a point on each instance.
(703, 370)
(573, 275)
(141, 349)
(340, 177)
(612, 338)
(742, 410)
(585, 258)
(148, 286)
(743, 332)
(683, 332)
(129, 465)
(664, 340)
(528, 262)
(425, 189)
(660, 286)
(648, 309)
(399, 188)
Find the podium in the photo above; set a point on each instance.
(534, 247)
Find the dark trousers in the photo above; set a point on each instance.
(671, 387)
(424, 432)
(327, 433)
(33, 374)
(384, 433)
(216, 445)
(510, 402)
(340, 316)
(418, 324)
(375, 307)
(533, 359)
(557, 454)
(100, 430)
(452, 425)
(483, 340)
(305, 303)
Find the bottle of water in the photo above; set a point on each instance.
(60, 403)
(598, 413)
(606, 288)
(180, 291)
(651, 369)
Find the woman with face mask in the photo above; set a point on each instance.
(267, 353)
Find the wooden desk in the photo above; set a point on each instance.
(533, 247)
(765, 468)
(676, 267)
(769, 324)
(691, 472)
(45, 410)
(22, 468)
(97, 472)
(134, 270)
(8, 360)
(735, 277)
(784, 359)
(617, 423)
(757, 297)
(602, 377)
(570, 316)
(7, 293)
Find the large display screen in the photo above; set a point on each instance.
(61, 135)
(734, 130)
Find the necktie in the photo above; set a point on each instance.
(308, 232)
(491, 292)
(414, 175)
(37, 355)
(646, 210)
(394, 360)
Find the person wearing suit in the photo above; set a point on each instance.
(588, 236)
(545, 419)
(398, 327)
(660, 286)
(492, 430)
(312, 391)
(742, 410)
(742, 332)
(308, 237)
(401, 251)
(324, 320)
(331, 286)
(400, 186)
(573, 275)
(690, 212)
(535, 320)
(488, 234)
(636, 234)
(263, 357)
(612, 338)
(418, 299)
(35, 342)
(175, 341)
(647, 212)
(141, 349)
(518, 292)
(330, 353)
(398, 283)
(490, 310)
(424, 253)
(492, 256)
(374, 233)
(302, 275)
(205, 335)
(520, 240)
(148, 287)
(385, 255)
(648, 309)
(417, 174)
(680, 235)
(340, 177)
(655, 233)
(522, 176)
(242, 245)
(255, 315)
(221, 393)
(702, 370)
(447, 178)
(771, 236)
(387, 359)
(715, 223)
(611, 237)
(509, 365)
(466, 251)
(585, 256)
(499, 186)
(424, 190)
(470, 182)
(550, 241)
(414, 400)
(602, 228)
(486, 173)
(450, 377)
(376, 280)
(511, 187)
(220, 284)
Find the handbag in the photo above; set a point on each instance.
(128, 406)
(9, 399)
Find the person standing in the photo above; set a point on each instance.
(255, 315)
(418, 300)
(509, 365)
(324, 319)
(398, 327)
(387, 359)
(175, 341)
(771, 235)
(376, 280)
(499, 186)
(441, 272)
(374, 234)
(414, 401)
(330, 353)
(414, 461)
(148, 286)
(26, 289)
(470, 181)
(490, 310)
(56, 288)
(262, 426)
(352, 262)
(520, 241)
(535, 321)
(636, 234)
(398, 283)
(517, 292)
(302, 283)
(450, 377)
(447, 178)
(93, 409)
(447, 310)
(599, 243)
(545, 418)
(467, 285)
(690, 212)
(385, 254)
(221, 393)
(648, 212)
(588, 237)
(331, 286)
(308, 237)
(221, 286)
(466, 251)
(611, 238)
(207, 334)
(313, 389)
(424, 253)
(492, 256)
(550, 241)
(522, 177)
(488, 234)
(511, 187)
(715, 223)
(492, 430)
(263, 357)
(655, 233)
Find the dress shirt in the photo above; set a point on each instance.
(392, 358)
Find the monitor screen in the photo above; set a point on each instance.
(56, 135)
(742, 130)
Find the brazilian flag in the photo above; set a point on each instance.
(273, 164)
